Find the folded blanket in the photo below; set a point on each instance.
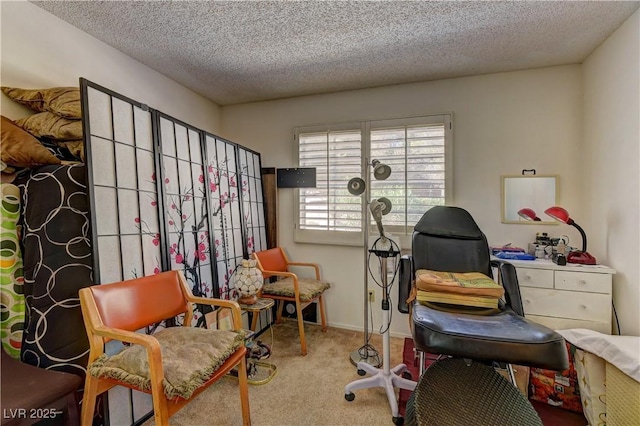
(621, 351)
(468, 283)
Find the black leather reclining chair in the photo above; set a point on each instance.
(448, 239)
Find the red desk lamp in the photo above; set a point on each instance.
(576, 256)
(528, 214)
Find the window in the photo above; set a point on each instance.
(418, 150)
(328, 213)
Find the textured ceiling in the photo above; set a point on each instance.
(243, 51)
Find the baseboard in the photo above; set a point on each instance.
(352, 328)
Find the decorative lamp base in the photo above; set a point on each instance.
(248, 300)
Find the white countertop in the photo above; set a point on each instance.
(548, 264)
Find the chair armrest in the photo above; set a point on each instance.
(146, 340)
(405, 281)
(150, 343)
(230, 304)
(296, 286)
(280, 274)
(509, 279)
(314, 265)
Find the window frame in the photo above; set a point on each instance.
(357, 238)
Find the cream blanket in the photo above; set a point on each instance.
(621, 351)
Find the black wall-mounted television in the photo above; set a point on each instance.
(297, 178)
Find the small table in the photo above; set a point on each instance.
(255, 309)
(258, 372)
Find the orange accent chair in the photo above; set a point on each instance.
(115, 311)
(302, 291)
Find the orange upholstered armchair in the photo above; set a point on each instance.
(302, 291)
(175, 364)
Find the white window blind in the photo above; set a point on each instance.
(416, 155)
(328, 212)
(417, 149)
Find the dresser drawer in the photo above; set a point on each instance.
(566, 323)
(529, 277)
(583, 281)
(566, 304)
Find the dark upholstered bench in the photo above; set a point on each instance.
(31, 394)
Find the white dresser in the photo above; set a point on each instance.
(571, 296)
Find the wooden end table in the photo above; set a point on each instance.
(259, 372)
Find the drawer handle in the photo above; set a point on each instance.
(583, 282)
(527, 301)
(527, 277)
(583, 306)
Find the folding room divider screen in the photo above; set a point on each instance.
(162, 194)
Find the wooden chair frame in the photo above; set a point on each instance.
(300, 305)
(129, 318)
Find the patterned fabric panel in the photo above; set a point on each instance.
(57, 263)
(557, 388)
(591, 373)
(11, 278)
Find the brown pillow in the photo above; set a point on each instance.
(20, 149)
(64, 101)
(52, 126)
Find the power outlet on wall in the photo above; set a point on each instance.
(372, 296)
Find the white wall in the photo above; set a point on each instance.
(503, 123)
(610, 164)
(40, 50)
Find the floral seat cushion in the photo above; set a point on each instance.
(309, 288)
(190, 356)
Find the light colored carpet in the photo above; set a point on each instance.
(307, 390)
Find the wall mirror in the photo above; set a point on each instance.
(536, 192)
